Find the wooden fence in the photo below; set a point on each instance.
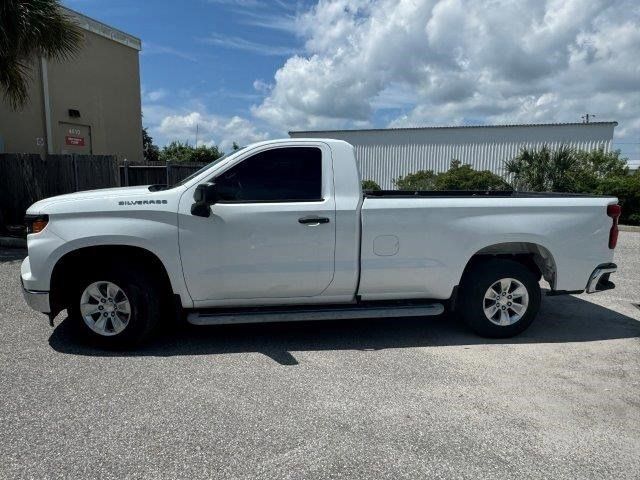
(27, 178)
(148, 173)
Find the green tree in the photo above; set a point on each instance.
(579, 171)
(458, 177)
(370, 185)
(205, 154)
(150, 151)
(564, 169)
(464, 177)
(627, 189)
(420, 180)
(546, 170)
(603, 164)
(596, 165)
(177, 151)
(29, 29)
(235, 146)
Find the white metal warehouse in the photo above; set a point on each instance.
(386, 154)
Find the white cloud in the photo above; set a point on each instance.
(245, 4)
(154, 49)
(262, 86)
(239, 43)
(460, 61)
(212, 129)
(167, 123)
(238, 3)
(269, 21)
(155, 95)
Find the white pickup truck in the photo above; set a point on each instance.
(281, 230)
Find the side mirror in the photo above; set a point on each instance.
(206, 193)
(204, 196)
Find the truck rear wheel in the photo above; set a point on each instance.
(118, 308)
(499, 298)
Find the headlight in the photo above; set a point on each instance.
(36, 223)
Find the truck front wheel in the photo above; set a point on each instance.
(499, 298)
(117, 308)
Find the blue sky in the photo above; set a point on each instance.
(202, 55)
(245, 70)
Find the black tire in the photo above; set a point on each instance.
(476, 283)
(144, 294)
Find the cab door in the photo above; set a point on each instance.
(270, 236)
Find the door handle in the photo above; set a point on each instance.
(313, 220)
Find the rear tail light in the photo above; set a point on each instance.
(614, 212)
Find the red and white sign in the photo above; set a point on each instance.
(75, 141)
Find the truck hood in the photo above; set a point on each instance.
(102, 194)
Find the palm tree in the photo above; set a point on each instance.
(29, 29)
(545, 169)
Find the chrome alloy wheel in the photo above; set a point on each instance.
(506, 301)
(105, 308)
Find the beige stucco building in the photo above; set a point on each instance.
(87, 105)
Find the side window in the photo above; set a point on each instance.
(277, 175)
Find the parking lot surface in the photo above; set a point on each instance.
(391, 398)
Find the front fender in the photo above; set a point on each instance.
(158, 235)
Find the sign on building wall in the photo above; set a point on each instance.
(77, 138)
(76, 141)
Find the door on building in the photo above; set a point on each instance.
(75, 138)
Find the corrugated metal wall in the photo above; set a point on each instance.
(384, 163)
(384, 155)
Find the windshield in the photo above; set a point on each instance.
(206, 167)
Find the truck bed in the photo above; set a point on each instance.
(418, 238)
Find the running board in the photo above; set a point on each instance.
(297, 314)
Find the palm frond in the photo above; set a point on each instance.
(28, 29)
(15, 77)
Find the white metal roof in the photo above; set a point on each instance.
(103, 29)
(511, 125)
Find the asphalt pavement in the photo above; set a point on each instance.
(390, 398)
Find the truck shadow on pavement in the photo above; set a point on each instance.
(561, 319)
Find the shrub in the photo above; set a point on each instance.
(578, 171)
(150, 152)
(601, 164)
(204, 154)
(183, 152)
(458, 177)
(627, 189)
(370, 185)
(464, 177)
(545, 170)
(420, 180)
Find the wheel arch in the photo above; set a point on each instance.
(69, 264)
(537, 258)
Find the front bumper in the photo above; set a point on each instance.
(39, 301)
(36, 299)
(599, 279)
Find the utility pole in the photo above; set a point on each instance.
(196, 145)
(587, 116)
